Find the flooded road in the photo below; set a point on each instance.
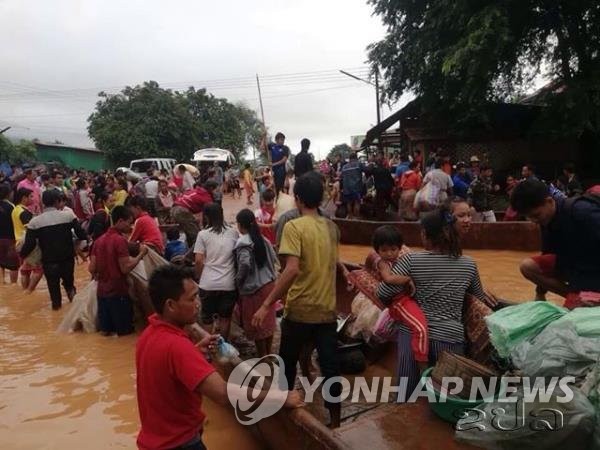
(67, 391)
(78, 391)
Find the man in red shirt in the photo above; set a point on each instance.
(172, 374)
(145, 228)
(109, 265)
(189, 205)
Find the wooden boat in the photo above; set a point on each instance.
(377, 427)
(520, 236)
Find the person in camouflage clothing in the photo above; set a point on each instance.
(480, 195)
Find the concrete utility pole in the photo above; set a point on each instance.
(375, 85)
(262, 114)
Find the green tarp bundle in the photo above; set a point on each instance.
(514, 324)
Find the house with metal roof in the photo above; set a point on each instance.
(71, 156)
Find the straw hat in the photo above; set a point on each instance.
(474, 158)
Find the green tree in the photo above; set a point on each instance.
(340, 149)
(17, 153)
(142, 121)
(459, 55)
(149, 121)
(219, 123)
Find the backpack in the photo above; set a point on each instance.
(592, 197)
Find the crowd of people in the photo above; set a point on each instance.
(48, 219)
(404, 186)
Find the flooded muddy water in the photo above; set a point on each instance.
(62, 391)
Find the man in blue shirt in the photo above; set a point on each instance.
(461, 180)
(279, 156)
(352, 185)
(403, 166)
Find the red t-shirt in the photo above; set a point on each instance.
(169, 368)
(265, 217)
(107, 249)
(194, 199)
(146, 231)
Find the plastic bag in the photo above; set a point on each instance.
(226, 352)
(557, 351)
(512, 325)
(366, 314)
(83, 311)
(386, 328)
(428, 197)
(530, 425)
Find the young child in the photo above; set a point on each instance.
(388, 246)
(265, 215)
(175, 247)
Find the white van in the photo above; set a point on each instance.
(208, 156)
(141, 166)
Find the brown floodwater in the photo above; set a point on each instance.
(77, 390)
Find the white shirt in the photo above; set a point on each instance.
(218, 273)
(151, 188)
(439, 178)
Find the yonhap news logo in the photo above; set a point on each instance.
(257, 388)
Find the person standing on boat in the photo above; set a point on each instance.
(279, 156)
(442, 276)
(352, 185)
(303, 162)
(310, 245)
(569, 263)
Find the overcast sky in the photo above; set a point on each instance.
(56, 56)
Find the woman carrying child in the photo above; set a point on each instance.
(442, 276)
(389, 245)
(254, 279)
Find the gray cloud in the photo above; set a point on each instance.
(57, 55)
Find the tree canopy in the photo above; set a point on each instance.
(17, 153)
(340, 149)
(458, 55)
(149, 121)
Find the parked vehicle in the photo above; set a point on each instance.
(130, 175)
(141, 166)
(207, 157)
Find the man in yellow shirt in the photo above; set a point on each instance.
(310, 245)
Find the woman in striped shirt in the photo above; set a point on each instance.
(442, 276)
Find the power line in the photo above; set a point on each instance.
(237, 82)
